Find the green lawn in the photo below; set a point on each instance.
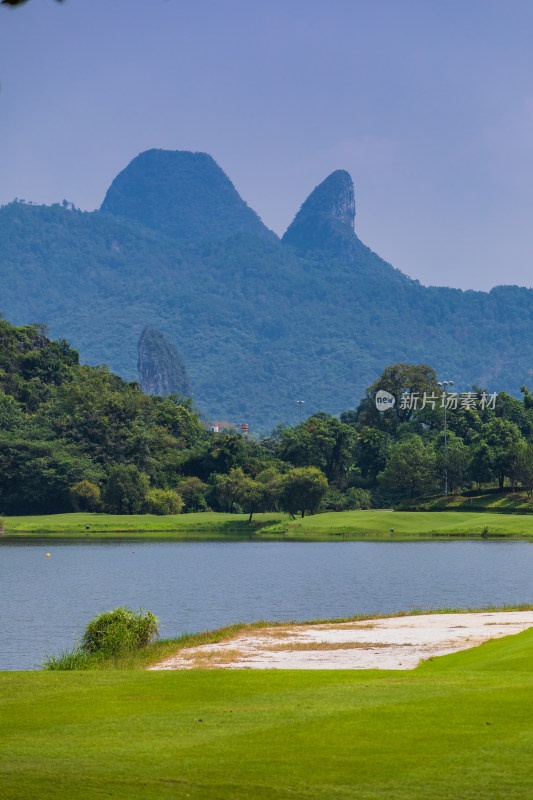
(205, 522)
(458, 727)
(363, 524)
(410, 523)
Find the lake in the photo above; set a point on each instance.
(191, 586)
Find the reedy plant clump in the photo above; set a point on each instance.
(109, 635)
(119, 631)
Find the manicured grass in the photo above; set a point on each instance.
(411, 524)
(457, 727)
(345, 524)
(205, 522)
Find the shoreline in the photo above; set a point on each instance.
(400, 642)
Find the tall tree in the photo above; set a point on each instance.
(401, 380)
(227, 488)
(322, 442)
(411, 467)
(481, 464)
(501, 436)
(524, 465)
(250, 495)
(372, 450)
(302, 489)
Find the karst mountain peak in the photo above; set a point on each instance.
(181, 194)
(326, 219)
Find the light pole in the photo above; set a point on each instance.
(443, 386)
(300, 405)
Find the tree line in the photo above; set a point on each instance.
(74, 437)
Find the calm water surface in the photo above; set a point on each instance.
(191, 586)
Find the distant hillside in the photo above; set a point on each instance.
(258, 322)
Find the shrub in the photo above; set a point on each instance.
(126, 489)
(192, 490)
(349, 500)
(119, 631)
(358, 498)
(334, 500)
(163, 501)
(85, 496)
(114, 633)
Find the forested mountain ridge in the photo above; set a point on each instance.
(258, 322)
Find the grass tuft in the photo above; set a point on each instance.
(69, 660)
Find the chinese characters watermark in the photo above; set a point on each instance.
(450, 400)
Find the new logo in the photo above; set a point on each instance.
(384, 400)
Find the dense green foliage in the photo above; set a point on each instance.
(458, 726)
(259, 323)
(80, 438)
(118, 630)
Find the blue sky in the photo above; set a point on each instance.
(428, 104)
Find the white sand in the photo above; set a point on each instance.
(391, 643)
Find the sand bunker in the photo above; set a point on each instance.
(391, 643)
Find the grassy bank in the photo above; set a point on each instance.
(149, 524)
(337, 525)
(506, 502)
(458, 726)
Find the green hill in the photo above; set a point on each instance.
(258, 322)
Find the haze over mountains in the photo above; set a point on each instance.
(259, 322)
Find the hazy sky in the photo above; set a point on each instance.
(427, 103)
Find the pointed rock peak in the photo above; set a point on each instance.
(161, 369)
(334, 198)
(328, 212)
(181, 194)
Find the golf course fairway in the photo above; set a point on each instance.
(330, 524)
(459, 726)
